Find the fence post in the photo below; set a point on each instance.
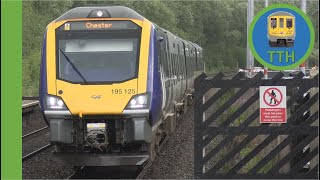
(203, 119)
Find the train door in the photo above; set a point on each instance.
(169, 79)
(160, 51)
(186, 63)
(177, 86)
(183, 62)
(281, 26)
(193, 65)
(181, 74)
(196, 58)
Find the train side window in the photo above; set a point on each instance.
(281, 24)
(289, 23)
(273, 22)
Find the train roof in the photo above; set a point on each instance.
(108, 11)
(199, 48)
(113, 12)
(281, 13)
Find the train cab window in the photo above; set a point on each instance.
(97, 60)
(289, 23)
(281, 24)
(273, 22)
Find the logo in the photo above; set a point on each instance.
(96, 96)
(281, 37)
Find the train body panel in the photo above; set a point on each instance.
(109, 77)
(154, 86)
(96, 99)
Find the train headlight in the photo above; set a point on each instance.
(51, 101)
(55, 103)
(99, 13)
(139, 101)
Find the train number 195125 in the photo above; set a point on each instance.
(123, 91)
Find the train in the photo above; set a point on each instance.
(281, 29)
(112, 85)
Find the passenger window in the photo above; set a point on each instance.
(273, 22)
(289, 23)
(281, 23)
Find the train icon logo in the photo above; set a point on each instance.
(273, 106)
(281, 37)
(281, 29)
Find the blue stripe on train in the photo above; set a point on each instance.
(154, 86)
(43, 88)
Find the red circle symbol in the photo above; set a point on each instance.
(275, 98)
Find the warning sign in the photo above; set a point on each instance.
(273, 104)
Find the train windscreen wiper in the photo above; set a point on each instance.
(73, 66)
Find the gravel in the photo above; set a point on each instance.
(175, 161)
(43, 166)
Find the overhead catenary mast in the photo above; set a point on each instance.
(250, 59)
(302, 67)
(266, 3)
(265, 72)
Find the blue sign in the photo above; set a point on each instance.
(281, 37)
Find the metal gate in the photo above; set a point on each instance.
(229, 141)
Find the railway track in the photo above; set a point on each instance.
(28, 106)
(35, 133)
(36, 152)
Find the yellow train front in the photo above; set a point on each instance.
(281, 29)
(109, 78)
